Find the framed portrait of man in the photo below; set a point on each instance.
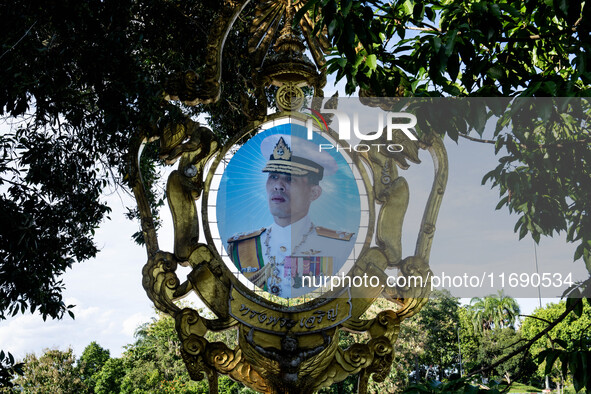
(288, 210)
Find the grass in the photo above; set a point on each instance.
(523, 388)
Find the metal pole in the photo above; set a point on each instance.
(460, 351)
(540, 301)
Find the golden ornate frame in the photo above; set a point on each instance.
(316, 360)
(281, 349)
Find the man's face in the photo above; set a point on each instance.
(289, 197)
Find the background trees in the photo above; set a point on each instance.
(53, 372)
(427, 350)
(78, 78)
(491, 312)
(78, 81)
(485, 49)
(152, 364)
(568, 342)
(91, 362)
(458, 48)
(439, 321)
(478, 49)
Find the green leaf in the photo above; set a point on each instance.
(570, 302)
(575, 367)
(453, 66)
(496, 72)
(436, 42)
(579, 252)
(562, 343)
(579, 309)
(561, 9)
(346, 7)
(332, 26)
(564, 361)
(585, 365)
(551, 357)
(408, 7)
(450, 42)
(371, 61)
(502, 203)
(418, 11)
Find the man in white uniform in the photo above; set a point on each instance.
(277, 258)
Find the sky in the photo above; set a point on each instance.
(471, 237)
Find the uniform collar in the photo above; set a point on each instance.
(294, 231)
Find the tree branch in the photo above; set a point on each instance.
(537, 318)
(530, 342)
(533, 37)
(19, 40)
(537, 36)
(466, 136)
(426, 29)
(558, 144)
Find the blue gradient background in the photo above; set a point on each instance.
(242, 198)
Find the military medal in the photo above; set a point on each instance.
(275, 278)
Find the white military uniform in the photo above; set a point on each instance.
(290, 253)
(278, 258)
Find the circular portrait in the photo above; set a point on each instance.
(288, 210)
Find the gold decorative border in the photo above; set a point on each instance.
(319, 360)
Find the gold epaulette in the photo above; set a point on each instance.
(242, 236)
(326, 232)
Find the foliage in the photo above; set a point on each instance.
(154, 362)
(110, 377)
(150, 365)
(409, 349)
(470, 340)
(77, 83)
(457, 48)
(487, 334)
(498, 343)
(438, 321)
(495, 311)
(90, 364)
(566, 350)
(78, 80)
(453, 386)
(428, 344)
(478, 49)
(425, 341)
(154, 358)
(8, 369)
(543, 176)
(53, 372)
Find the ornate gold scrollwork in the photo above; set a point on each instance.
(270, 358)
(280, 348)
